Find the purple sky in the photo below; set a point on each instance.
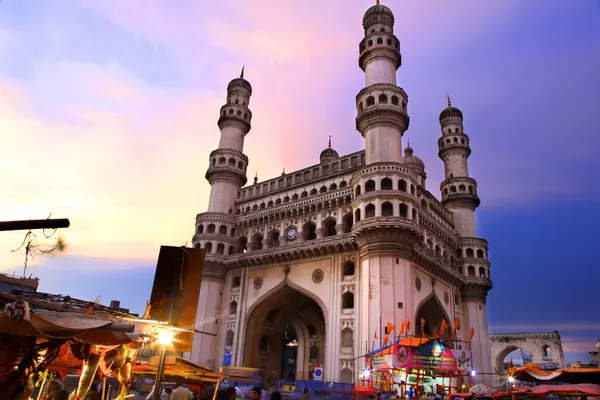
(108, 113)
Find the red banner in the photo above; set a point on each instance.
(432, 356)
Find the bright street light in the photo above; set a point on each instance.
(165, 337)
(473, 373)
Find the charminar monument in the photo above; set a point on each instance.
(341, 248)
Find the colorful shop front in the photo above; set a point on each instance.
(422, 364)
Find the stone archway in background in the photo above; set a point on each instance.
(264, 346)
(545, 347)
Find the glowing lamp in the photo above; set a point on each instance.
(473, 373)
(165, 337)
(511, 379)
(366, 373)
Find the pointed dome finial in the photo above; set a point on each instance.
(242, 73)
(256, 178)
(329, 141)
(448, 97)
(408, 142)
(377, 2)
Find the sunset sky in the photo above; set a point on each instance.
(108, 112)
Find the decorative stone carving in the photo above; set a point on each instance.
(418, 283)
(386, 280)
(317, 276)
(258, 282)
(373, 290)
(286, 269)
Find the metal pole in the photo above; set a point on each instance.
(34, 224)
(159, 374)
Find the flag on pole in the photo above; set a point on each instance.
(443, 327)
(422, 326)
(390, 327)
(408, 327)
(375, 336)
(472, 334)
(456, 323)
(402, 327)
(386, 338)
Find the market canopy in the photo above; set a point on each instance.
(586, 389)
(180, 370)
(531, 372)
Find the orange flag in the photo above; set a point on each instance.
(436, 334)
(422, 326)
(408, 327)
(456, 323)
(386, 338)
(375, 336)
(472, 334)
(402, 328)
(443, 327)
(390, 327)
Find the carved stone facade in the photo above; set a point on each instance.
(341, 248)
(545, 347)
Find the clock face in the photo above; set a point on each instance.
(291, 235)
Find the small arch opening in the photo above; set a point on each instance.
(357, 215)
(273, 238)
(481, 272)
(387, 209)
(348, 300)
(402, 185)
(236, 282)
(329, 227)
(470, 252)
(347, 222)
(383, 99)
(200, 229)
(386, 184)
(395, 100)
(257, 240)
(471, 270)
(233, 308)
(369, 186)
(357, 191)
(309, 231)
(348, 268)
(220, 248)
(210, 228)
(242, 244)
(369, 210)
(480, 253)
(229, 338)
(403, 208)
(208, 247)
(222, 230)
(370, 101)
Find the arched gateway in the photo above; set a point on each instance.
(285, 334)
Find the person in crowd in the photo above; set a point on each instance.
(305, 394)
(181, 393)
(276, 395)
(231, 393)
(255, 393)
(163, 394)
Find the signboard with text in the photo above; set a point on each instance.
(432, 356)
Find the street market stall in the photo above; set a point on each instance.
(532, 373)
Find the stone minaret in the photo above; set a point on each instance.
(459, 195)
(385, 204)
(381, 105)
(215, 228)
(459, 191)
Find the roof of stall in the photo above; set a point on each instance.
(531, 372)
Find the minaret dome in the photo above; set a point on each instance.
(328, 154)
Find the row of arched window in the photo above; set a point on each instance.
(231, 162)
(461, 188)
(384, 184)
(231, 111)
(381, 99)
(309, 232)
(220, 249)
(295, 196)
(454, 140)
(482, 272)
(211, 228)
(469, 253)
(389, 41)
(387, 210)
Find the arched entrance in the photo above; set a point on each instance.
(511, 356)
(433, 313)
(285, 336)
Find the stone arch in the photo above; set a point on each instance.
(257, 241)
(347, 222)
(273, 238)
(357, 215)
(348, 300)
(285, 304)
(347, 337)
(348, 269)
(387, 209)
(220, 248)
(545, 347)
(242, 244)
(200, 229)
(222, 230)
(309, 231)
(233, 306)
(328, 227)
(210, 228)
(236, 282)
(369, 186)
(402, 185)
(403, 209)
(387, 184)
(370, 210)
(432, 310)
(208, 247)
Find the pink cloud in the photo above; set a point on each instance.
(545, 327)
